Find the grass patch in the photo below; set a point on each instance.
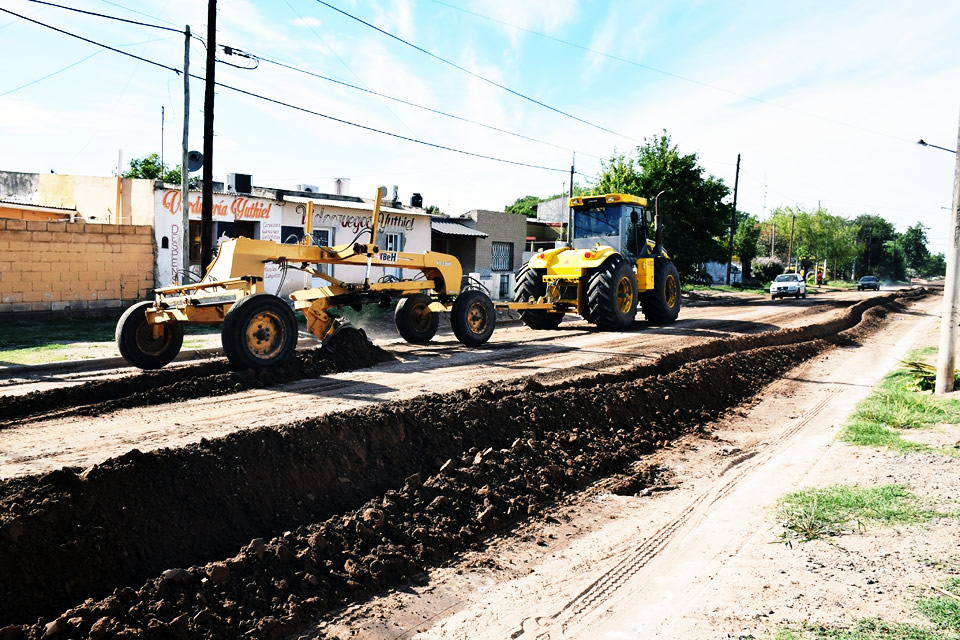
(896, 405)
(867, 629)
(832, 511)
(942, 610)
(733, 288)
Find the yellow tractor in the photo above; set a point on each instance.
(610, 269)
(259, 329)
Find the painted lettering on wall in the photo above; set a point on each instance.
(357, 222)
(239, 207)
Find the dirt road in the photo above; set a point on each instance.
(39, 443)
(372, 480)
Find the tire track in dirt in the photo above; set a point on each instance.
(558, 625)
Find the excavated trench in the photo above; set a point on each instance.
(367, 498)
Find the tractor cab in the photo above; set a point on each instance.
(618, 221)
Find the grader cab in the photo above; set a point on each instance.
(259, 329)
(612, 267)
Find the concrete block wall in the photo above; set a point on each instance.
(59, 266)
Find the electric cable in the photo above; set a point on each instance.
(295, 107)
(229, 50)
(477, 75)
(49, 75)
(94, 42)
(420, 106)
(103, 15)
(664, 72)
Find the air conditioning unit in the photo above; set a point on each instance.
(341, 186)
(309, 188)
(238, 182)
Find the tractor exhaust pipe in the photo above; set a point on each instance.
(657, 248)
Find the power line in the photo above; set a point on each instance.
(293, 106)
(146, 15)
(256, 57)
(93, 42)
(425, 108)
(103, 15)
(380, 131)
(49, 75)
(475, 75)
(664, 72)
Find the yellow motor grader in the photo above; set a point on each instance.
(259, 329)
(610, 269)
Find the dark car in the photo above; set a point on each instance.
(868, 282)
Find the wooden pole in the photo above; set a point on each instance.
(733, 220)
(184, 160)
(206, 211)
(946, 356)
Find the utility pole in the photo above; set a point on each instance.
(951, 294)
(206, 210)
(773, 235)
(184, 159)
(570, 209)
(733, 220)
(793, 218)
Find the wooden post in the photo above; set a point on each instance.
(733, 220)
(206, 210)
(946, 356)
(184, 161)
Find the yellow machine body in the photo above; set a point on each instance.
(237, 272)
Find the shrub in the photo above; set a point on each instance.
(767, 268)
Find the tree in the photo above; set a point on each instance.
(433, 210)
(149, 167)
(745, 240)
(915, 252)
(936, 266)
(525, 206)
(874, 232)
(694, 214)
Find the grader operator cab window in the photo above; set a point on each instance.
(613, 225)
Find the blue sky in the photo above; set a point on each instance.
(824, 100)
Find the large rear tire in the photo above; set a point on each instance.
(258, 332)
(138, 343)
(662, 304)
(612, 295)
(473, 318)
(416, 323)
(529, 285)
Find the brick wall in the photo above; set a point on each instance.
(57, 266)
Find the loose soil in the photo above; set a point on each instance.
(394, 488)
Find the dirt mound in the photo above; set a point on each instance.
(503, 451)
(347, 350)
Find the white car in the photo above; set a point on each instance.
(788, 284)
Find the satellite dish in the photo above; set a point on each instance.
(194, 160)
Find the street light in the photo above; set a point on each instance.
(924, 143)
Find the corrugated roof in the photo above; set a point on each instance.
(446, 228)
(27, 206)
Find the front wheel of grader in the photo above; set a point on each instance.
(473, 318)
(416, 323)
(146, 345)
(259, 331)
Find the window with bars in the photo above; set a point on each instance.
(501, 256)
